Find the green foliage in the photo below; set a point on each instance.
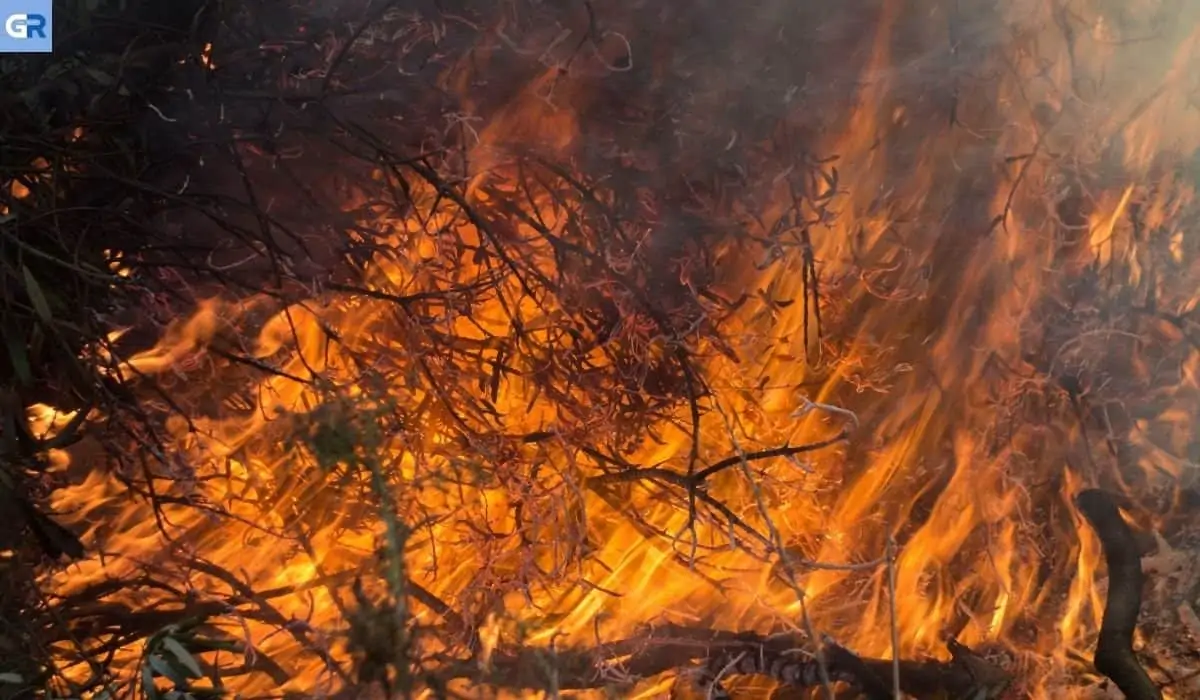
(76, 181)
(335, 438)
(75, 178)
(174, 655)
(343, 431)
(348, 433)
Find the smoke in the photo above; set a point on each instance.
(716, 69)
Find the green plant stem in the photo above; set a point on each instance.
(396, 535)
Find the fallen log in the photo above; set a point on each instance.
(705, 656)
(1114, 651)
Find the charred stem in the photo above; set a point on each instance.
(1114, 651)
(671, 647)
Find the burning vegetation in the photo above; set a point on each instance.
(639, 349)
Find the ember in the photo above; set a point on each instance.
(666, 349)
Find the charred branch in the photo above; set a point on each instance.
(704, 656)
(1114, 650)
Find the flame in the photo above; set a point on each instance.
(922, 336)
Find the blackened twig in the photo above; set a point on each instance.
(694, 480)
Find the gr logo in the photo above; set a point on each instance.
(28, 29)
(23, 26)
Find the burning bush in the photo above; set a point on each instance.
(552, 348)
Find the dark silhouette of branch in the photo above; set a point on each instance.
(1114, 650)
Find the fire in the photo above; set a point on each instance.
(933, 344)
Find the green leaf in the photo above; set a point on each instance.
(11, 679)
(19, 359)
(36, 296)
(148, 683)
(164, 668)
(103, 79)
(189, 662)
